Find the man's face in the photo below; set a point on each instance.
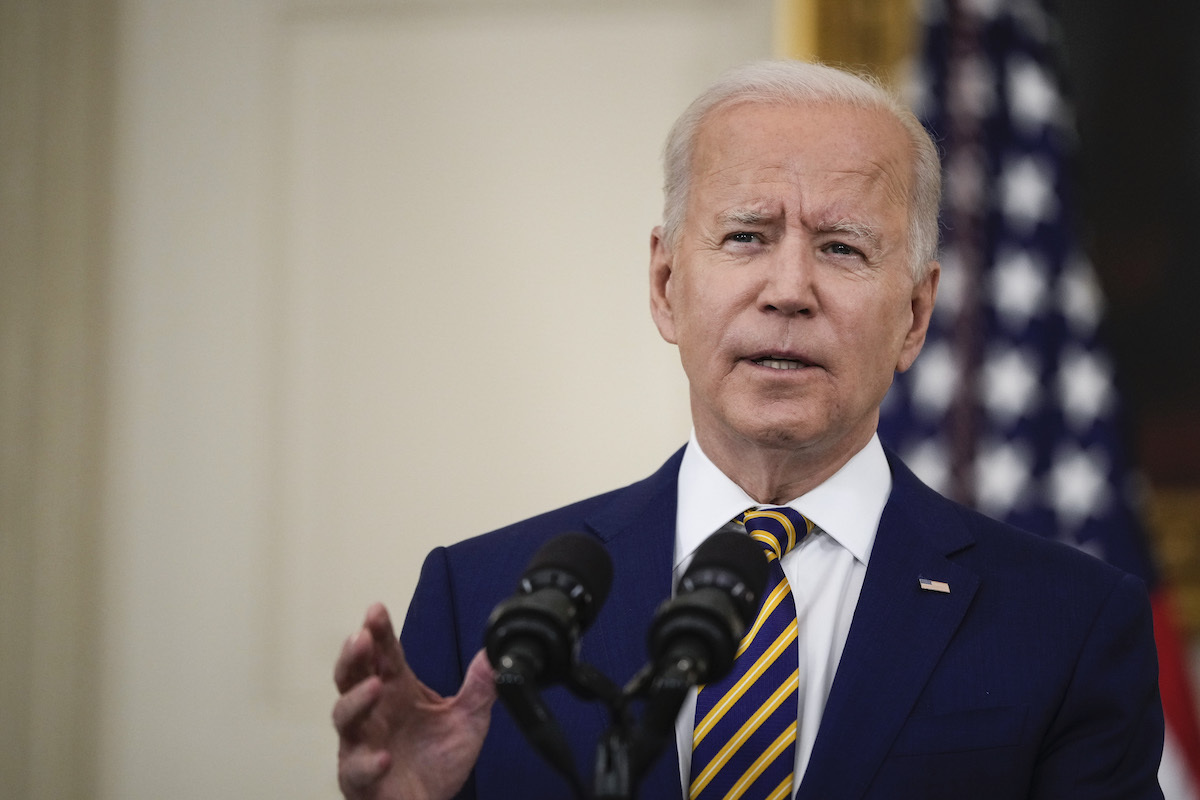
(789, 290)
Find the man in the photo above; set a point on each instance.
(943, 655)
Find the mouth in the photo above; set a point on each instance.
(780, 362)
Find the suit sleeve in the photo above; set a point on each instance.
(1106, 740)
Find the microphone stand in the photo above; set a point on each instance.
(628, 748)
(613, 776)
(524, 702)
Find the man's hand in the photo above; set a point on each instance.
(398, 740)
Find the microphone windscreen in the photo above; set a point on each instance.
(580, 556)
(728, 552)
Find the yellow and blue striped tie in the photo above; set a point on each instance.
(744, 742)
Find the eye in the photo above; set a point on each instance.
(841, 249)
(743, 237)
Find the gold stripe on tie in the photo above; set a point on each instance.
(782, 520)
(773, 599)
(784, 740)
(749, 727)
(783, 791)
(770, 541)
(738, 689)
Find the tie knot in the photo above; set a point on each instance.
(777, 529)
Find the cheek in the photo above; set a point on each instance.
(703, 315)
(877, 332)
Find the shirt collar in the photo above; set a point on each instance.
(847, 506)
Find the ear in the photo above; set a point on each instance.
(661, 271)
(923, 296)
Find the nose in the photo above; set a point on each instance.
(788, 280)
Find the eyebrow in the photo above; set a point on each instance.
(743, 216)
(860, 230)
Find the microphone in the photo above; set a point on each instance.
(532, 638)
(695, 635)
(717, 599)
(535, 633)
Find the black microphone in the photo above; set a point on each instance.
(532, 638)
(716, 601)
(695, 635)
(535, 633)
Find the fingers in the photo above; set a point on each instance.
(355, 663)
(372, 650)
(379, 622)
(389, 658)
(354, 705)
(359, 770)
(361, 764)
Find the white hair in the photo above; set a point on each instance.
(794, 83)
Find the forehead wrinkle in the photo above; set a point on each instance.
(855, 187)
(895, 187)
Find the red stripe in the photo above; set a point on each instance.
(1179, 705)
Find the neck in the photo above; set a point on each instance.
(776, 474)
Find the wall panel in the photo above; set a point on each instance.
(374, 265)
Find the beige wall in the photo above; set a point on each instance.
(55, 108)
(346, 281)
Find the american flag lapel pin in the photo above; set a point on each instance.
(934, 586)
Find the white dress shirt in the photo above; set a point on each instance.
(825, 571)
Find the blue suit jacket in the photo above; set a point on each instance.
(1035, 677)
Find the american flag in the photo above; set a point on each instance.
(1012, 406)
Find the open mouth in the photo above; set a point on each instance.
(776, 362)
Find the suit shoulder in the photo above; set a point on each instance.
(611, 509)
(1004, 545)
(528, 534)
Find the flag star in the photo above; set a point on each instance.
(1002, 477)
(1018, 288)
(1010, 384)
(1085, 387)
(1077, 485)
(1080, 296)
(1032, 97)
(1027, 193)
(935, 376)
(930, 462)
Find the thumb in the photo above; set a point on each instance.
(478, 691)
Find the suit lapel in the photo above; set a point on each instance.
(897, 636)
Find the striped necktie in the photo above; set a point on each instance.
(744, 742)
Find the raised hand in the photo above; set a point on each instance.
(398, 739)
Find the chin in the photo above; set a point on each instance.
(780, 434)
